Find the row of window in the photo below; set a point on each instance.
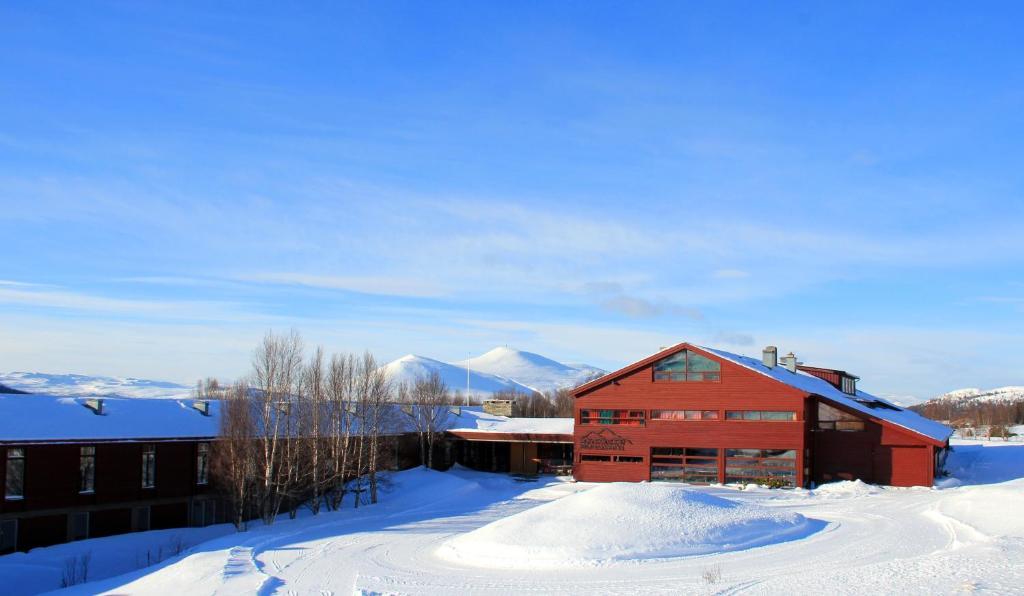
(204, 513)
(14, 480)
(637, 417)
(700, 465)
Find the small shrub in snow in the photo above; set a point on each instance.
(773, 482)
(76, 570)
(712, 575)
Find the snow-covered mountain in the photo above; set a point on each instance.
(501, 369)
(532, 370)
(92, 386)
(411, 367)
(972, 395)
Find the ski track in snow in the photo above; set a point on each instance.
(884, 541)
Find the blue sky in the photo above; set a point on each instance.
(589, 181)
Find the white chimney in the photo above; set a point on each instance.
(770, 356)
(94, 404)
(789, 361)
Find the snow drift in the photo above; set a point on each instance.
(621, 522)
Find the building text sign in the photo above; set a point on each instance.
(603, 440)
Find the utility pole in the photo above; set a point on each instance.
(469, 362)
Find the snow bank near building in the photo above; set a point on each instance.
(993, 509)
(43, 569)
(846, 488)
(983, 462)
(624, 522)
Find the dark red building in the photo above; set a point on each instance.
(702, 415)
(83, 468)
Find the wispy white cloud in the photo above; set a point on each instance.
(731, 274)
(60, 300)
(388, 286)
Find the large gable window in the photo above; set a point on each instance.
(687, 366)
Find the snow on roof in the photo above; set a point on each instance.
(811, 384)
(34, 417)
(474, 419)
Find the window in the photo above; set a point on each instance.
(204, 513)
(830, 418)
(625, 417)
(762, 415)
(140, 519)
(202, 463)
(78, 526)
(14, 485)
(850, 385)
(687, 366)
(590, 457)
(684, 414)
(8, 536)
(745, 466)
(87, 470)
(684, 464)
(148, 466)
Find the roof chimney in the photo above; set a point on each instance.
(94, 404)
(770, 356)
(203, 406)
(789, 361)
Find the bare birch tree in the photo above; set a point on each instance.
(429, 414)
(232, 465)
(339, 395)
(377, 410)
(314, 419)
(277, 364)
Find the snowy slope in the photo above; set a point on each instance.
(501, 369)
(971, 396)
(624, 521)
(533, 370)
(92, 386)
(877, 540)
(411, 367)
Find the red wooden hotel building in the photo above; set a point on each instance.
(702, 415)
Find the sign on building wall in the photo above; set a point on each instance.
(603, 440)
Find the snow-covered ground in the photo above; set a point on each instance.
(965, 537)
(92, 385)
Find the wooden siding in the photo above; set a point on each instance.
(52, 482)
(880, 454)
(883, 453)
(833, 377)
(738, 389)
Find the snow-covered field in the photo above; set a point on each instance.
(842, 538)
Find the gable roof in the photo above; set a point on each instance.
(890, 413)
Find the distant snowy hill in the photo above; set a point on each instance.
(532, 370)
(411, 367)
(93, 386)
(501, 369)
(970, 396)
